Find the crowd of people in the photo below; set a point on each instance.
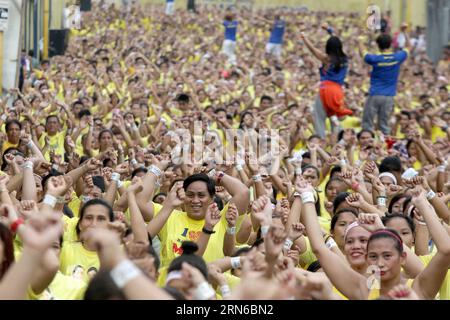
(227, 154)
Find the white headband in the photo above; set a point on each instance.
(173, 275)
(388, 174)
(350, 227)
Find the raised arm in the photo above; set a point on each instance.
(346, 280)
(316, 52)
(429, 281)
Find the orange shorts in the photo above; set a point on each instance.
(332, 97)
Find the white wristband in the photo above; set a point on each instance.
(257, 178)
(381, 201)
(330, 243)
(225, 291)
(239, 167)
(133, 162)
(308, 197)
(441, 168)
(431, 194)
(27, 165)
(124, 272)
(287, 244)
(231, 230)
(358, 163)
(50, 200)
(235, 262)
(155, 170)
(343, 162)
(115, 177)
(212, 174)
(30, 144)
(298, 171)
(204, 291)
(420, 222)
(264, 230)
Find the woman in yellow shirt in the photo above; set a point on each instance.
(12, 128)
(77, 258)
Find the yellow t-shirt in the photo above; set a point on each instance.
(56, 144)
(444, 292)
(62, 287)
(70, 233)
(7, 145)
(179, 227)
(77, 262)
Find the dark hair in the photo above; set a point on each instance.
(333, 171)
(310, 166)
(102, 287)
(11, 122)
(241, 251)
(6, 238)
(408, 220)
(104, 131)
(266, 97)
(389, 234)
(99, 182)
(389, 164)
(84, 112)
(242, 118)
(335, 52)
(52, 173)
(138, 170)
(51, 116)
(365, 130)
(91, 203)
(220, 110)
(189, 248)
(339, 199)
(338, 213)
(384, 41)
(396, 198)
(406, 113)
(9, 150)
(159, 194)
(210, 185)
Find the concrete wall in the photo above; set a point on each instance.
(11, 45)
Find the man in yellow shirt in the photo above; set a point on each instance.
(53, 138)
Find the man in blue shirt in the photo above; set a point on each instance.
(383, 82)
(229, 42)
(274, 46)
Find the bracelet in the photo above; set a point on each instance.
(231, 230)
(204, 230)
(307, 197)
(239, 167)
(441, 168)
(212, 173)
(419, 222)
(288, 244)
(330, 243)
(50, 200)
(133, 162)
(204, 291)
(257, 178)
(431, 194)
(15, 225)
(264, 230)
(343, 162)
(155, 170)
(381, 201)
(124, 272)
(225, 291)
(61, 200)
(235, 262)
(296, 194)
(220, 176)
(27, 165)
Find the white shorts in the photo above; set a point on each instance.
(228, 47)
(170, 7)
(274, 49)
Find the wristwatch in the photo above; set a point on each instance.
(204, 230)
